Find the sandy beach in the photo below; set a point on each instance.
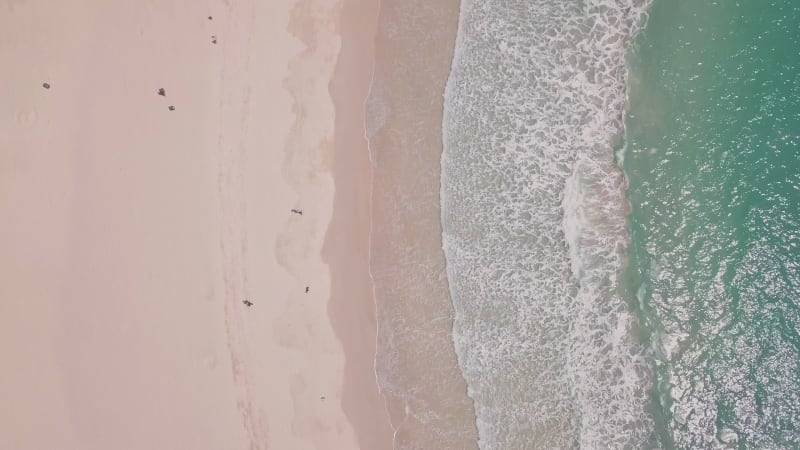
(133, 232)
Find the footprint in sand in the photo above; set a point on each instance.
(291, 334)
(210, 361)
(297, 386)
(26, 118)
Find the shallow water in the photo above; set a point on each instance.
(416, 365)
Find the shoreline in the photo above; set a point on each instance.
(349, 87)
(416, 363)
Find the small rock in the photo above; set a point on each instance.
(171, 108)
(162, 92)
(210, 18)
(213, 39)
(46, 85)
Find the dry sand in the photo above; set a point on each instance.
(131, 233)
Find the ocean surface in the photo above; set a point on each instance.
(620, 202)
(714, 168)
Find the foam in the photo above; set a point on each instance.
(534, 219)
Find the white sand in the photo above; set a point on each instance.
(130, 234)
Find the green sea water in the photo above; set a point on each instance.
(712, 156)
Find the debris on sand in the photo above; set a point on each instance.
(162, 92)
(171, 108)
(46, 85)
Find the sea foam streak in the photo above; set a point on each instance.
(534, 218)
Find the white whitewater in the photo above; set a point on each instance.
(534, 218)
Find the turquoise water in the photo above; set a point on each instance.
(652, 309)
(713, 163)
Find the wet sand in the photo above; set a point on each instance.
(347, 243)
(416, 361)
(132, 233)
